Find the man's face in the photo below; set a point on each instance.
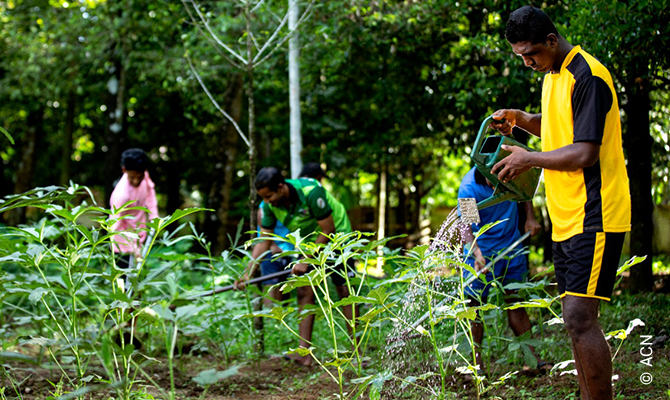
(539, 56)
(134, 177)
(274, 198)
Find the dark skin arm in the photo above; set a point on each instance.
(258, 249)
(504, 120)
(531, 225)
(327, 226)
(480, 261)
(568, 158)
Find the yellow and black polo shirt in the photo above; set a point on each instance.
(579, 104)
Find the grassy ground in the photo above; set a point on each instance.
(275, 378)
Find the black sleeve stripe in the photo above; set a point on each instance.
(591, 101)
(327, 214)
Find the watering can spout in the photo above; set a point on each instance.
(486, 153)
(498, 197)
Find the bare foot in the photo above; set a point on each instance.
(305, 361)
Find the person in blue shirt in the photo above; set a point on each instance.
(478, 253)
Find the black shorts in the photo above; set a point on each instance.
(586, 264)
(123, 261)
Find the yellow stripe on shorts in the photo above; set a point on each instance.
(598, 253)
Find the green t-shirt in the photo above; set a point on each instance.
(310, 203)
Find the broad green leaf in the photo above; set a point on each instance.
(628, 264)
(372, 313)
(379, 295)
(185, 312)
(8, 356)
(535, 303)
(337, 362)
(37, 294)
(301, 351)
(164, 312)
(278, 313)
(16, 256)
(524, 285)
(7, 135)
(211, 376)
(468, 313)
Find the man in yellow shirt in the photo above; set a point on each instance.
(585, 179)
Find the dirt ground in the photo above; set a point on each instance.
(272, 378)
(277, 378)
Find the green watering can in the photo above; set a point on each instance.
(486, 153)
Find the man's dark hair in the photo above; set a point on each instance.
(312, 170)
(529, 24)
(269, 177)
(135, 160)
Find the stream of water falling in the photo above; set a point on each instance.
(408, 353)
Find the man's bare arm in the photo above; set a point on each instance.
(506, 119)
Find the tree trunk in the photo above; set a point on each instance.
(115, 130)
(258, 321)
(66, 155)
(252, 116)
(294, 89)
(638, 146)
(229, 144)
(25, 172)
(381, 225)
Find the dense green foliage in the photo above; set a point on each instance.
(395, 87)
(101, 330)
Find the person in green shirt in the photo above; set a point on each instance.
(300, 204)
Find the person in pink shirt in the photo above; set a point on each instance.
(135, 185)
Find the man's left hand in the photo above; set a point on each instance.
(300, 269)
(513, 165)
(532, 226)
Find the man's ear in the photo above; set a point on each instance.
(552, 40)
(123, 170)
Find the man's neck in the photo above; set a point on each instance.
(564, 48)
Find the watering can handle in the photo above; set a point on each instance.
(480, 135)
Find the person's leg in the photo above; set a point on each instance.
(591, 351)
(477, 289)
(268, 266)
(274, 296)
(518, 320)
(305, 296)
(591, 261)
(477, 329)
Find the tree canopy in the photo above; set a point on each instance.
(395, 87)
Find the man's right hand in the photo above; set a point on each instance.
(241, 282)
(503, 121)
(300, 269)
(480, 263)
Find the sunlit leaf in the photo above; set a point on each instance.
(212, 376)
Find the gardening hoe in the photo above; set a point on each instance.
(263, 278)
(249, 282)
